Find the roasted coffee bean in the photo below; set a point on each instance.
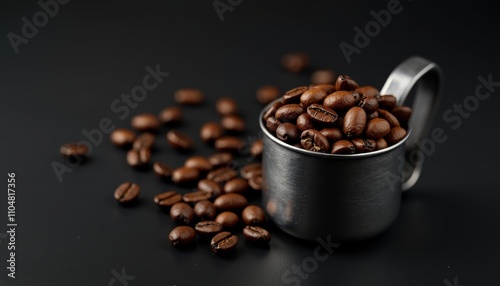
(364, 145)
(209, 187)
(167, 199)
(184, 175)
(122, 137)
(257, 148)
(295, 62)
(328, 88)
(345, 82)
(369, 104)
(208, 228)
(146, 122)
(232, 201)
(195, 197)
(343, 147)
(393, 121)
(289, 112)
(226, 106)
(368, 90)
(381, 144)
(255, 181)
(205, 210)
(171, 115)
(139, 158)
(227, 219)
(377, 128)
(272, 124)
(236, 185)
(162, 170)
(323, 76)
(332, 134)
(313, 95)
(272, 110)
(395, 135)
(288, 132)
(220, 159)
(354, 121)
(402, 113)
(387, 102)
(253, 215)
(210, 132)
(74, 150)
(250, 170)
(341, 100)
(293, 95)
(233, 123)
(322, 114)
(182, 236)
(228, 144)
(189, 96)
(144, 141)
(223, 242)
(198, 162)
(179, 141)
(256, 234)
(181, 213)
(267, 93)
(313, 140)
(304, 122)
(222, 175)
(372, 115)
(127, 192)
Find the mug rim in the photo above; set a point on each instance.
(328, 155)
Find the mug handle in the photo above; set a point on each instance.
(427, 79)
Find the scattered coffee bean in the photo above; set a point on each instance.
(228, 144)
(377, 128)
(233, 123)
(354, 121)
(138, 159)
(195, 197)
(255, 182)
(345, 82)
(189, 96)
(289, 112)
(182, 236)
(144, 141)
(395, 135)
(122, 137)
(162, 170)
(272, 124)
(185, 175)
(293, 95)
(402, 113)
(313, 140)
(267, 93)
(179, 141)
(171, 115)
(288, 132)
(257, 148)
(210, 132)
(341, 100)
(387, 101)
(332, 134)
(364, 145)
(232, 201)
(323, 76)
(220, 159)
(198, 162)
(146, 122)
(343, 147)
(368, 90)
(226, 106)
(328, 88)
(295, 62)
(181, 213)
(205, 210)
(313, 95)
(253, 215)
(236, 185)
(256, 234)
(127, 192)
(272, 110)
(223, 242)
(227, 219)
(209, 187)
(369, 104)
(322, 114)
(304, 122)
(167, 199)
(222, 175)
(208, 228)
(251, 170)
(393, 121)
(74, 150)
(372, 115)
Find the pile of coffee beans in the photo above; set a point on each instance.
(339, 118)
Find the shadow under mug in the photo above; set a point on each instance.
(350, 197)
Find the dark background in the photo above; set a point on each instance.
(65, 78)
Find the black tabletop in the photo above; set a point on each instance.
(66, 66)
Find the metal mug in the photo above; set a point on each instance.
(350, 197)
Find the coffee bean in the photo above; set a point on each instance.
(341, 100)
(223, 242)
(372, 115)
(323, 76)
(387, 102)
(364, 145)
(236, 185)
(402, 113)
(222, 175)
(74, 150)
(272, 110)
(343, 147)
(293, 95)
(228, 144)
(393, 121)
(220, 159)
(210, 132)
(198, 162)
(322, 114)
(138, 159)
(272, 124)
(257, 148)
(122, 137)
(205, 210)
(209, 187)
(354, 121)
(332, 134)
(369, 104)
(377, 128)
(368, 90)
(167, 199)
(395, 135)
(304, 122)
(267, 93)
(345, 82)
(146, 122)
(381, 144)
(253, 215)
(184, 175)
(313, 140)
(255, 181)
(171, 115)
(208, 228)
(232, 201)
(256, 234)
(182, 236)
(313, 95)
(295, 62)
(226, 106)
(181, 213)
(250, 170)
(127, 192)
(195, 197)
(144, 141)
(328, 88)
(179, 141)
(233, 123)
(189, 96)
(289, 112)
(227, 219)
(162, 170)
(288, 132)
